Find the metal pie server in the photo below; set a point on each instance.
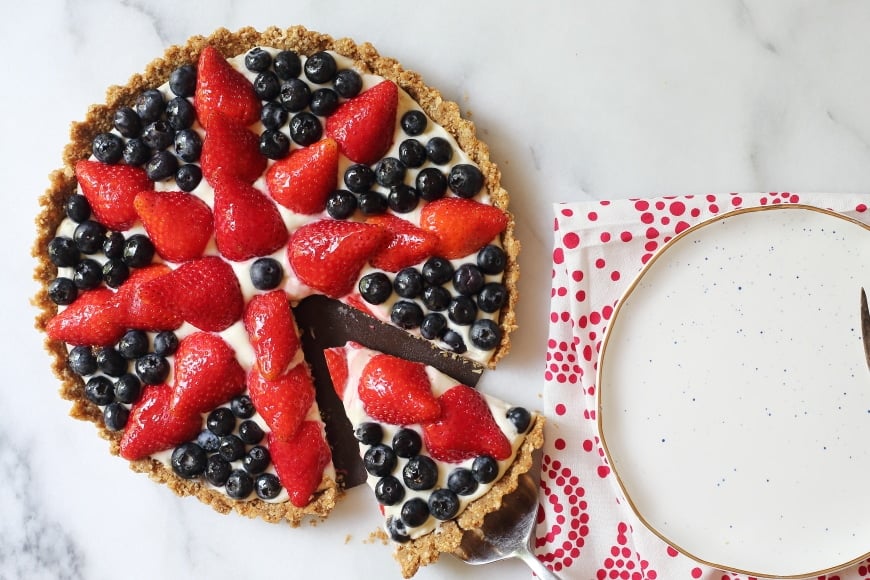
(865, 326)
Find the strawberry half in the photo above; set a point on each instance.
(152, 428)
(90, 320)
(230, 149)
(207, 374)
(302, 181)
(336, 363)
(328, 255)
(272, 332)
(463, 226)
(222, 91)
(204, 292)
(465, 429)
(364, 125)
(283, 403)
(397, 391)
(246, 222)
(409, 244)
(133, 312)
(300, 461)
(110, 190)
(179, 224)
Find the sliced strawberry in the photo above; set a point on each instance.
(364, 125)
(231, 149)
(152, 428)
(397, 391)
(302, 181)
(179, 224)
(300, 461)
(204, 292)
(133, 312)
(336, 362)
(89, 321)
(272, 332)
(222, 91)
(465, 429)
(463, 226)
(283, 403)
(328, 255)
(207, 374)
(110, 190)
(409, 244)
(354, 299)
(246, 222)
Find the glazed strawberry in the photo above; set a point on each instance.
(465, 429)
(152, 428)
(463, 226)
(283, 403)
(207, 374)
(133, 312)
(397, 391)
(302, 181)
(336, 362)
(110, 190)
(272, 332)
(409, 244)
(179, 224)
(222, 91)
(246, 222)
(364, 125)
(328, 255)
(231, 149)
(89, 321)
(300, 461)
(204, 292)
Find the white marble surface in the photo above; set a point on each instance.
(581, 100)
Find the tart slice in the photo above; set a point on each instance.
(439, 454)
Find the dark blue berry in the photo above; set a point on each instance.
(188, 145)
(324, 102)
(414, 122)
(188, 177)
(406, 314)
(108, 147)
(468, 279)
(375, 288)
(273, 115)
(111, 362)
(340, 204)
(242, 407)
(454, 342)
(462, 310)
(492, 297)
(443, 504)
(165, 343)
(250, 432)
(138, 251)
(439, 150)
(115, 416)
(267, 85)
(389, 490)
(182, 81)
(434, 326)
(217, 470)
(397, 530)
(136, 152)
(320, 67)
(162, 165)
(127, 388)
(77, 208)
(461, 481)
(266, 273)
(188, 460)
(127, 122)
(133, 344)
(485, 469)
(152, 369)
(113, 245)
(359, 178)
(437, 271)
(89, 236)
(347, 83)
(465, 180)
(220, 421)
(436, 298)
(180, 114)
(491, 259)
(485, 334)
(87, 274)
(208, 441)
(402, 198)
(431, 184)
(407, 442)
(389, 171)
(115, 272)
(408, 282)
(258, 60)
(99, 391)
(81, 360)
(379, 460)
(415, 512)
(287, 65)
(63, 251)
(369, 433)
(295, 95)
(256, 460)
(62, 291)
(231, 448)
(421, 472)
(149, 105)
(372, 203)
(305, 128)
(267, 486)
(520, 417)
(412, 153)
(274, 144)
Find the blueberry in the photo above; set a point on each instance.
(468, 279)
(359, 178)
(239, 484)
(305, 129)
(389, 490)
(182, 81)
(266, 273)
(242, 407)
(439, 150)
(397, 530)
(369, 433)
(217, 470)
(99, 391)
(436, 298)
(295, 95)
(250, 432)
(372, 203)
(491, 259)
(379, 460)
(274, 144)
(403, 198)
(415, 512)
(443, 504)
(115, 272)
(188, 145)
(407, 442)
(273, 115)
(431, 184)
(152, 369)
(220, 421)
(462, 310)
(87, 274)
(414, 122)
(188, 460)
(149, 105)
(347, 83)
(188, 177)
(375, 288)
(256, 460)
(389, 171)
(434, 326)
(406, 314)
(127, 388)
(267, 86)
(180, 114)
(454, 342)
(267, 486)
(111, 362)
(340, 204)
(324, 102)
(461, 481)
(127, 122)
(62, 291)
(138, 251)
(165, 343)
(208, 441)
(136, 152)
(81, 360)
(520, 417)
(113, 245)
(231, 448)
(485, 334)
(64, 251)
(89, 236)
(437, 271)
(320, 67)
(258, 60)
(412, 153)
(162, 165)
(420, 473)
(115, 416)
(287, 65)
(77, 208)
(492, 297)
(465, 180)
(485, 469)
(108, 147)
(408, 282)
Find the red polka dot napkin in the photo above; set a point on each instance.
(586, 530)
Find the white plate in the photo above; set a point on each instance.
(734, 395)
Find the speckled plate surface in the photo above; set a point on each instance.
(734, 396)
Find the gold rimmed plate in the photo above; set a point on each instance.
(734, 396)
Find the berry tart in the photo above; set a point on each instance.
(250, 200)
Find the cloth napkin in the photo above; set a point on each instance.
(586, 530)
